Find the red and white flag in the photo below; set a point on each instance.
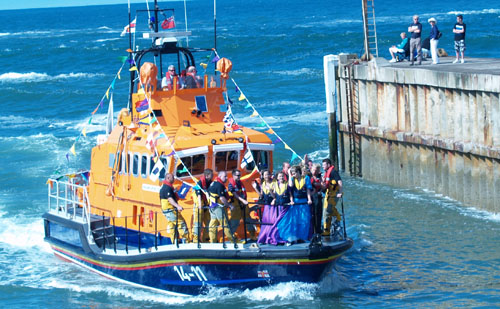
(129, 28)
(168, 23)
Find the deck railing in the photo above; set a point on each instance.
(68, 198)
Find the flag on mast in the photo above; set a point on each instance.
(129, 28)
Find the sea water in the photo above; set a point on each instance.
(412, 248)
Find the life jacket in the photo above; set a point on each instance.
(214, 197)
(316, 183)
(266, 197)
(240, 188)
(204, 186)
(165, 203)
(331, 184)
(300, 188)
(198, 85)
(170, 81)
(282, 194)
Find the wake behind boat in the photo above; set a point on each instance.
(113, 219)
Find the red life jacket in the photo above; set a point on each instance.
(170, 78)
(204, 186)
(222, 183)
(326, 177)
(171, 185)
(198, 85)
(240, 189)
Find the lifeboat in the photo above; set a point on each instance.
(109, 219)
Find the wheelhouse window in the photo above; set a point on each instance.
(194, 164)
(144, 166)
(135, 164)
(260, 158)
(226, 160)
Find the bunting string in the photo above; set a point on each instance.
(263, 123)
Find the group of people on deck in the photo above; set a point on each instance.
(293, 205)
(188, 79)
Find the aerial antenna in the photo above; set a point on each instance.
(186, 19)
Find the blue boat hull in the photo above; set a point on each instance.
(192, 270)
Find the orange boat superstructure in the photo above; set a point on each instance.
(119, 184)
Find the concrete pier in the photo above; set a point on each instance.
(435, 127)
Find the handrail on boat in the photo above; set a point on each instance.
(71, 198)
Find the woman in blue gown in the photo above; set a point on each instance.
(275, 211)
(295, 225)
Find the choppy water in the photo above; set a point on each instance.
(412, 248)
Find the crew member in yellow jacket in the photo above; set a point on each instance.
(332, 186)
(171, 209)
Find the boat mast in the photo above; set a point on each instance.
(215, 33)
(131, 81)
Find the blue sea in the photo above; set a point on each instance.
(413, 248)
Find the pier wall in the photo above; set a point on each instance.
(422, 128)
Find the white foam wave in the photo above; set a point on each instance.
(475, 12)
(15, 77)
(4, 33)
(284, 291)
(104, 28)
(105, 40)
(18, 234)
(302, 71)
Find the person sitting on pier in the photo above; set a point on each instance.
(238, 197)
(394, 49)
(192, 80)
(269, 233)
(168, 80)
(332, 185)
(201, 215)
(295, 226)
(218, 203)
(176, 225)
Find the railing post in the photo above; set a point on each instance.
(176, 231)
(245, 222)
(199, 210)
(103, 234)
(156, 230)
(114, 235)
(223, 230)
(139, 235)
(126, 235)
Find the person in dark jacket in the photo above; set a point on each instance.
(434, 37)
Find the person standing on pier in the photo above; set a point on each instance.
(434, 36)
(416, 32)
(459, 30)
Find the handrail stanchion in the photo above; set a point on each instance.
(126, 235)
(176, 231)
(223, 229)
(139, 234)
(343, 216)
(114, 235)
(199, 225)
(245, 222)
(103, 234)
(156, 230)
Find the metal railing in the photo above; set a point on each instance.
(66, 198)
